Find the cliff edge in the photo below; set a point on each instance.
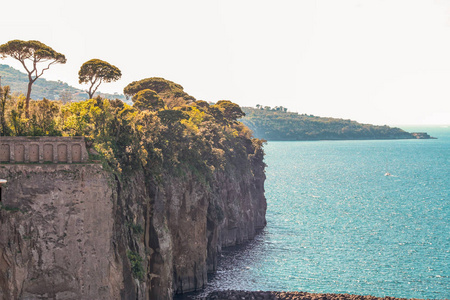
(79, 232)
(179, 179)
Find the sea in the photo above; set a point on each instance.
(337, 224)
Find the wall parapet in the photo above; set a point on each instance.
(43, 149)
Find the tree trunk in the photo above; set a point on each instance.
(27, 101)
(91, 94)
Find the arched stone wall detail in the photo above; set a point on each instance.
(5, 153)
(43, 149)
(33, 153)
(76, 153)
(48, 153)
(19, 153)
(62, 152)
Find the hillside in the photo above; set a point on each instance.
(278, 124)
(42, 88)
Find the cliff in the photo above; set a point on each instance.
(80, 232)
(181, 180)
(56, 224)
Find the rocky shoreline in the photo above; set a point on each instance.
(260, 295)
(422, 136)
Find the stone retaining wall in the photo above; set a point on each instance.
(43, 149)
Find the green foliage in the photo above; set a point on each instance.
(136, 228)
(171, 93)
(276, 108)
(171, 116)
(4, 97)
(31, 50)
(42, 119)
(231, 111)
(195, 138)
(96, 71)
(42, 88)
(136, 265)
(30, 54)
(147, 100)
(278, 124)
(9, 208)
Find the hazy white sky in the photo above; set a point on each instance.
(374, 61)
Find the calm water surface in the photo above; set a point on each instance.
(336, 224)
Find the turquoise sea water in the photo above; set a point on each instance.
(336, 224)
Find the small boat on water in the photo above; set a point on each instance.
(387, 172)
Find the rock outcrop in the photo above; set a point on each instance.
(259, 295)
(422, 136)
(80, 232)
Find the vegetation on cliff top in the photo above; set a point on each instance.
(148, 134)
(165, 129)
(278, 124)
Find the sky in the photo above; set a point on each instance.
(373, 61)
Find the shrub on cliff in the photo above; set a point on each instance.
(136, 265)
(43, 117)
(171, 93)
(151, 134)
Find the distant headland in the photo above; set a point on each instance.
(277, 124)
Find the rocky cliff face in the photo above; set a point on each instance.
(79, 232)
(56, 224)
(186, 223)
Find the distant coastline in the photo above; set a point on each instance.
(277, 124)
